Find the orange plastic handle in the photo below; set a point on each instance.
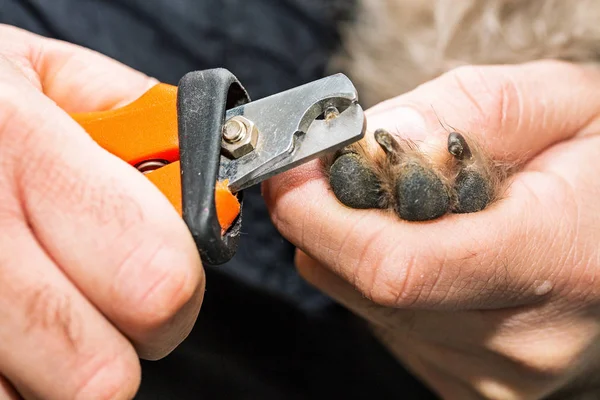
(147, 130)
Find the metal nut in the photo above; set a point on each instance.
(240, 136)
(148, 166)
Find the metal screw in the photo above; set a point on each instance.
(234, 130)
(146, 167)
(330, 113)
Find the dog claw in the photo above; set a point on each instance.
(389, 145)
(458, 147)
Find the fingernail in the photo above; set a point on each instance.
(404, 121)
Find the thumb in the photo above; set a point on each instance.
(513, 111)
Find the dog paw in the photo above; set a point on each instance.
(474, 181)
(415, 185)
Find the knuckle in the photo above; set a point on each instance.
(494, 94)
(548, 355)
(11, 128)
(106, 204)
(114, 376)
(391, 283)
(384, 293)
(370, 272)
(51, 311)
(42, 179)
(416, 277)
(22, 154)
(155, 282)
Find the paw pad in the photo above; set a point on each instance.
(353, 183)
(404, 179)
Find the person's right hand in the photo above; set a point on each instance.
(96, 266)
(501, 303)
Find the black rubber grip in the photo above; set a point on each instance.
(202, 101)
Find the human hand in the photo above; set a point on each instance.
(96, 266)
(502, 303)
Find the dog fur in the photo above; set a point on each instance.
(392, 46)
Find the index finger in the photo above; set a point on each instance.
(76, 78)
(516, 110)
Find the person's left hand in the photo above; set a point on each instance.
(498, 304)
(97, 268)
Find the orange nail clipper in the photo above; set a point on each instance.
(203, 142)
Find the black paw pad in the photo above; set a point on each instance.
(421, 194)
(473, 192)
(353, 183)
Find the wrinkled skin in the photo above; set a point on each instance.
(501, 303)
(97, 268)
